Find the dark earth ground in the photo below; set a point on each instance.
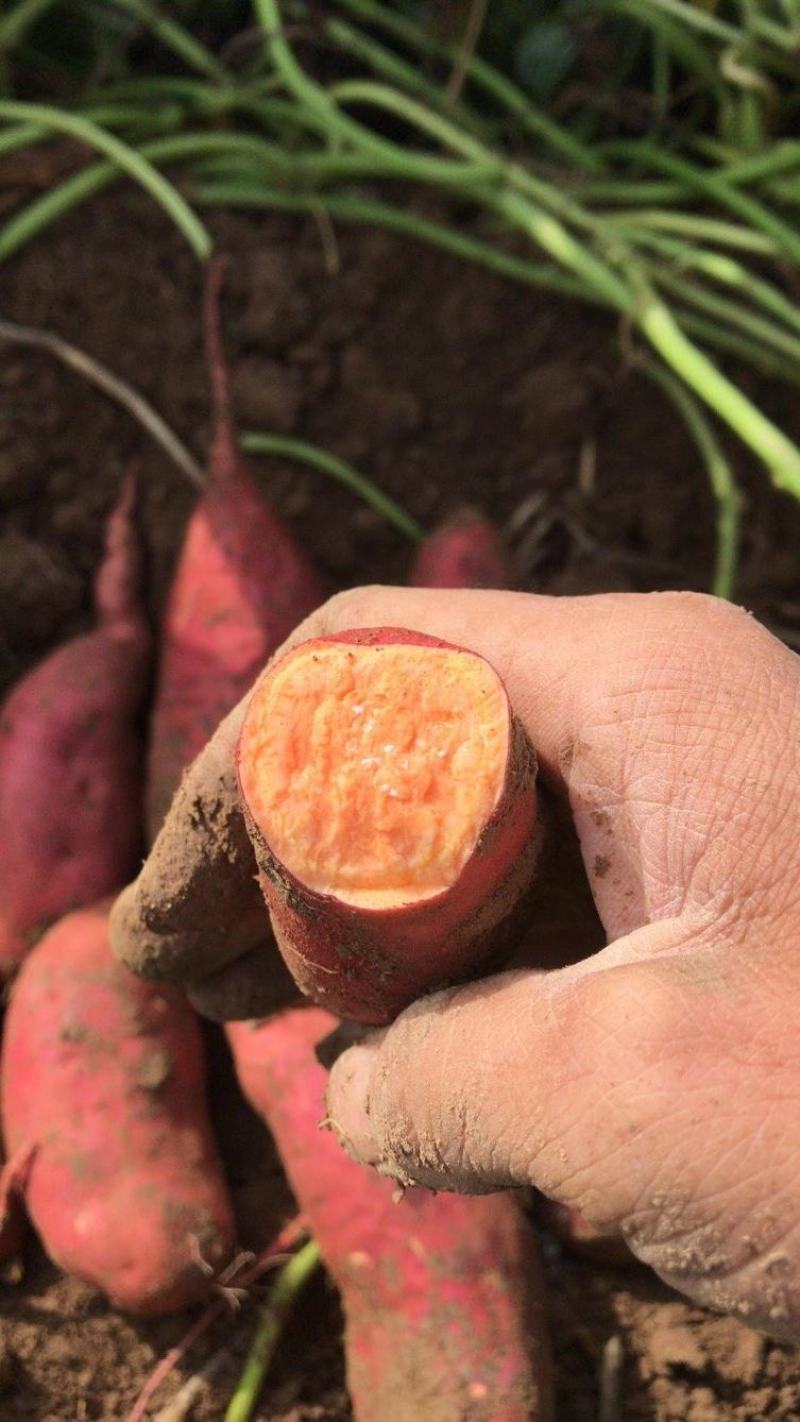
(444, 385)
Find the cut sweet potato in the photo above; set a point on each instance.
(391, 797)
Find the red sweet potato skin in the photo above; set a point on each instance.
(241, 586)
(464, 552)
(442, 1294)
(367, 964)
(103, 1077)
(70, 762)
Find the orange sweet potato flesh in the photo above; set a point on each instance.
(391, 798)
(103, 1086)
(376, 767)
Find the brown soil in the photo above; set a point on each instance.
(444, 385)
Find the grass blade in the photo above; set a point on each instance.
(720, 477)
(337, 469)
(283, 1296)
(128, 159)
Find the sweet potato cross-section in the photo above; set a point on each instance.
(371, 770)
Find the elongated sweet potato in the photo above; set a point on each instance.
(240, 587)
(390, 795)
(103, 1081)
(70, 820)
(442, 1294)
(464, 552)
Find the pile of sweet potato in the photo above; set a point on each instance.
(109, 1148)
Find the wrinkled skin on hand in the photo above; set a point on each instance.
(654, 1085)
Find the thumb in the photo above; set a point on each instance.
(548, 1079)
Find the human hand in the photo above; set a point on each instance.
(654, 1085)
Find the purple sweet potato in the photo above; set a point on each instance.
(70, 819)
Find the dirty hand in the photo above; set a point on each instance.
(655, 1085)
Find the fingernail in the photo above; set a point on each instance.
(348, 1100)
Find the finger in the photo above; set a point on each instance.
(257, 984)
(196, 904)
(645, 1089)
(545, 1079)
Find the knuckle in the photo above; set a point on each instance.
(700, 617)
(351, 608)
(347, 609)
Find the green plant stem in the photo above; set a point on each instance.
(778, 159)
(550, 278)
(397, 219)
(442, 130)
(267, 159)
(661, 78)
(623, 191)
(753, 353)
(549, 234)
(284, 1294)
(556, 240)
(23, 136)
(547, 231)
(516, 103)
(690, 53)
(721, 479)
(341, 126)
(633, 295)
(177, 39)
(128, 159)
(210, 98)
(14, 25)
(113, 386)
(711, 184)
(383, 61)
(57, 201)
(730, 312)
(698, 18)
(780, 455)
(701, 228)
(723, 269)
(335, 468)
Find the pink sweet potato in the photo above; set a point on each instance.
(442, 1294)
(103, 1082)
(240, 587)
(464, 552)
(390, 794)
(70, 822)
